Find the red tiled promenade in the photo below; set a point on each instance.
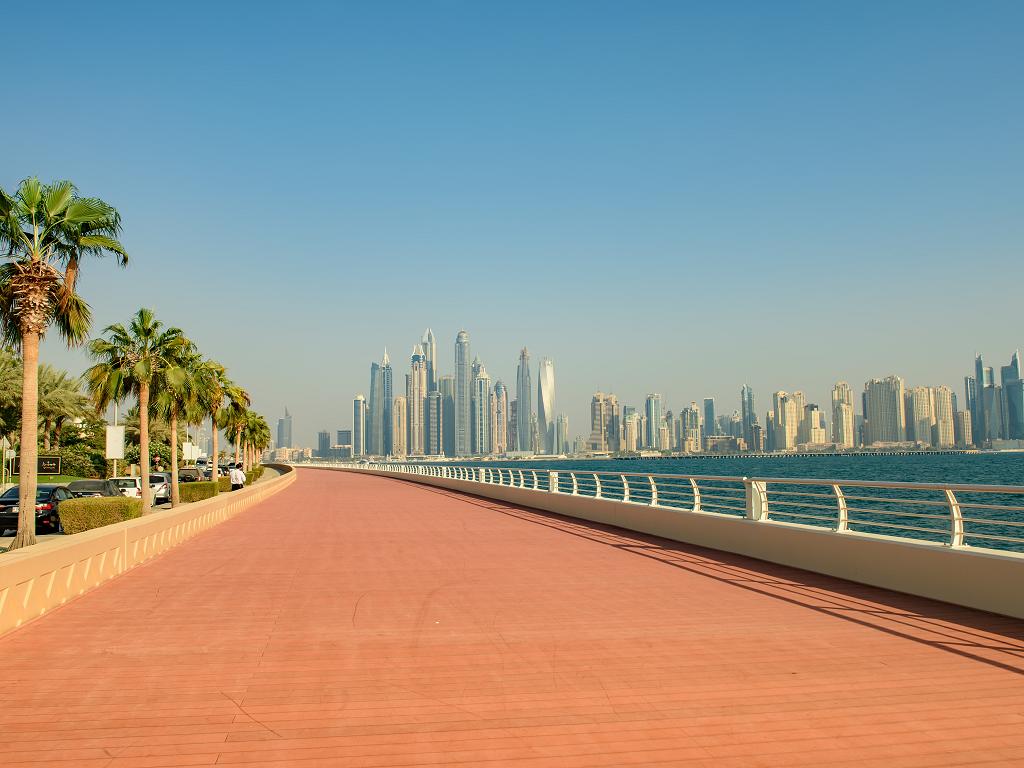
(359, 621)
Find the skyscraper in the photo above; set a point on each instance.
(981, 381)
(689, 429)
(499, 431)
(884, 411)
(463, 396)
(787, 411)
(1013, 396)
(652, 409)
(546, 405)
(842, 415)
(323, 443)
(710, 422)
(604, 423)
(562, 434)
(919, 414)
(399, 422)
(284, 431)
(359, 426)
(375, 444)
(481, 418)
(747, 414)
(433, 424)
(944, 432)
(430, 356)
(446, 386)
(416, 401)
(524, 400)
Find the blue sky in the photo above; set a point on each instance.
(661, 196)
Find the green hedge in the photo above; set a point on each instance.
(189, 492)
(254, 474)
(224, 484)
(77, 515)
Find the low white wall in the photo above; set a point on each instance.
(977, 578)
(37, 579)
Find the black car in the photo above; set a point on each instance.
(190, 475)
(48, 496)
(85, 489)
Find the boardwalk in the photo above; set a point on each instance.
(361, 621)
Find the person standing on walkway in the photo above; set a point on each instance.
(237, 477)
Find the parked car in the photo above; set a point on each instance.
(48, 497)
(190, 475)
(160, 486)
(85, 489)
(129, 486)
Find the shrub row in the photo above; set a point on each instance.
(77, 515)
(254, 474)
(223, 484)
(189, 492)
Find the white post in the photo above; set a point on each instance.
(842, 516)
(654, 491)
(552, 482)
(625, 488)
(696, 495)
(757, 499)
(956, 519)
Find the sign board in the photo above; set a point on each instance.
(115, 443)
(45, 465)
(190, 452)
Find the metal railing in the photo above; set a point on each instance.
(957, 515)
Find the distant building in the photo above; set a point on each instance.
(689, 429)
(963, 433)
(747, 414)
(323, 444)
(430, 357)
(546, 405)
(884, 411)
(481, 417)
(710, 422)
(344, 437)
(499, 417)
(416, 397)
(944, 429)
(812, 427)
(524, 400)
(920, 417)
(843, 434)
(433, 424)
(446, 386)
(604, 423)
(463, 396)
(359, 426)
(284, 431)
(399, 426)
(562, 434)
(653, 412)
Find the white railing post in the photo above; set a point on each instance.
(481, 475)
(552, 482)
(654, 491)
(696, 495)
(597, 486)
(575, 484)
(536, 483)
(956, 520)
(757, 499)
(625, 488)
(842, 516)
(522, 480)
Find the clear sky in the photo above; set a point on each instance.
(661, 196)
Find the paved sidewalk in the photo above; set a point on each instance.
(352, 620)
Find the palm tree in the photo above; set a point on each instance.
(60, 399)
(255, 436)
(213, 388)
(130, 361)
(175, 397)
(45, 230)
(10, 391)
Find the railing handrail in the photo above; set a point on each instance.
(761, 500)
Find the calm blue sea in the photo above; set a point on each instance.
(876, 511)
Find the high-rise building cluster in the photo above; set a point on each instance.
(468, 413)
(461, 414)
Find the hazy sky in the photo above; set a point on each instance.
(660, 196)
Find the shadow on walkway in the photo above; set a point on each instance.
(989, 638)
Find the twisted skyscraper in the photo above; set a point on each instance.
(546, 405)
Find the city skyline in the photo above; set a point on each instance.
(783, 420)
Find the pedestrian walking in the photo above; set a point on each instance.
(237, 477)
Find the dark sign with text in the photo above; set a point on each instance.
(46, 465)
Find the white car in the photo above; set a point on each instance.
(129, 486)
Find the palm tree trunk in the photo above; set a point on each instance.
(46, 435)
(174, 457)
(238, 444)
(147, 501)
(27, 478)
(213, 459)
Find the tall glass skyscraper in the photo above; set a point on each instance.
(284, 431)
(546, 405)
(748, 415)
(387, 398)
(446, 388)
(499, 422)
(524, 402)
(463, 396)
(416, 397)
(652, 409)
(359, 426)
(430, 356)
(710, 422)
(481, 413)
(375, 413)
(433, 427)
